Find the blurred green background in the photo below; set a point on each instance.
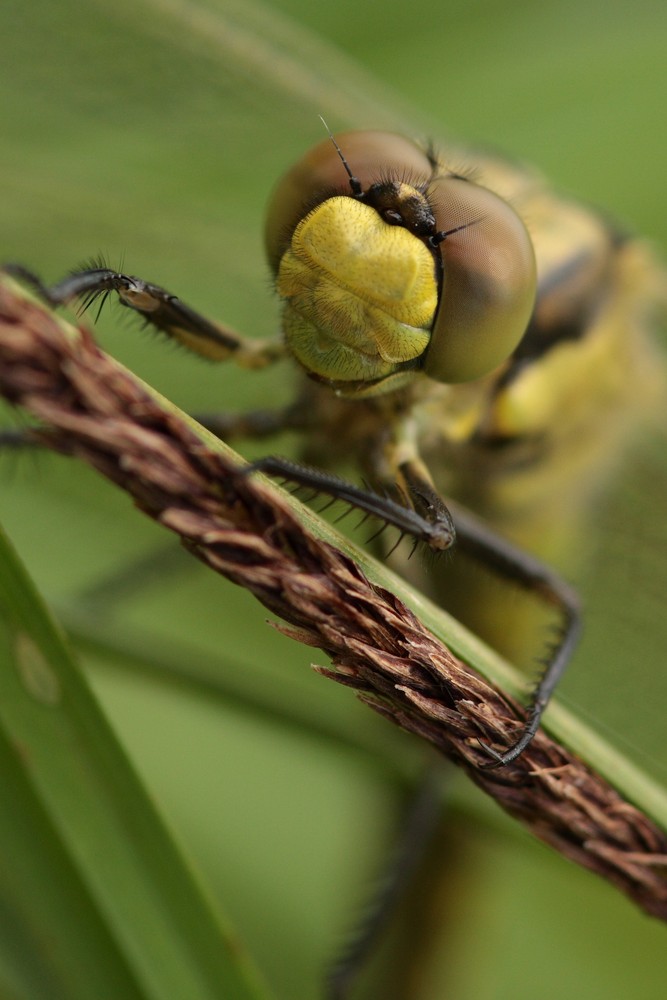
(152, 131)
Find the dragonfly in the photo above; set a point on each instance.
(445, 344)
(550, 526)
(448, 347)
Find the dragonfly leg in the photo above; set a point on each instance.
(430, 521)
(256, 424)
(523, 570)
(437, 533)
(158, 308)
(418, 825)
(509, 562)
(530, 574)
(18, 439)
(416, 484)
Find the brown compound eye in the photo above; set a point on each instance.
(319, 174)
(489, 281)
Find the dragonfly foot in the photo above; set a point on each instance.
(501, 759)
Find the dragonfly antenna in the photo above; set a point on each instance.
(440, 237)
(355, 183)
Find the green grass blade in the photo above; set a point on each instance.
(97, 900)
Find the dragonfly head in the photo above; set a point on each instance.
(395, 267)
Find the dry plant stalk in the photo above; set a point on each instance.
(94, 409)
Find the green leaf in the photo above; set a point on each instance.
(97, 899)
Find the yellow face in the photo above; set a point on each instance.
(389, 266)
(360, 295)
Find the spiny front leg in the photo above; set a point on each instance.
(158, 308)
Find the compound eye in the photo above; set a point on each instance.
(320, 174)
(489, 281)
